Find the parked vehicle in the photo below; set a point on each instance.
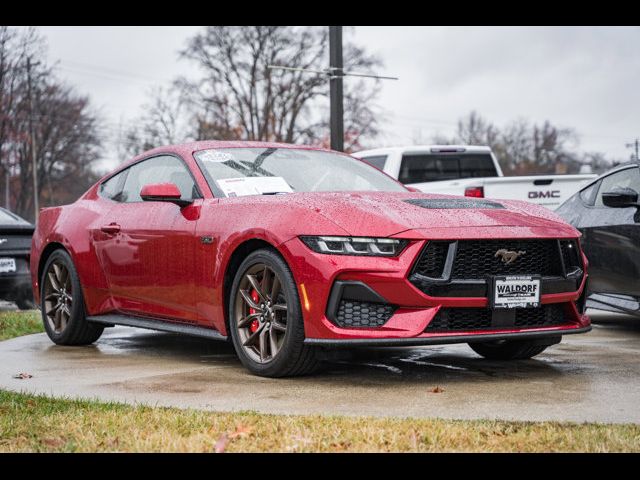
(15, 247)
(607, 213)
(291, 250)
(470, 171)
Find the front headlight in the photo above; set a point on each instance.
(364, 246)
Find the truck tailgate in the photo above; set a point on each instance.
(547, 190)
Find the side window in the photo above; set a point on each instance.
(628, 178)
(112, 188)
(427, 168)
(588, 195)
(163, 169)
(378, 161)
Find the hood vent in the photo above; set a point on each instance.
(454, 203)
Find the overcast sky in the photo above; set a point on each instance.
(582, 77)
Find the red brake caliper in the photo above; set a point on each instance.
(254, 324)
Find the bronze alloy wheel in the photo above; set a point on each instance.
(261, 313)
(58, 297)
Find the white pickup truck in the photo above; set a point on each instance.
(471, 171)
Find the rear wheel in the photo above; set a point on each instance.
(62, 303)
(265, 318)
(508, 350)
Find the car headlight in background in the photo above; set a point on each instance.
(364, 246)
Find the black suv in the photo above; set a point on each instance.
(15, 247)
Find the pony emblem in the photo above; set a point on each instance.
(508, 256)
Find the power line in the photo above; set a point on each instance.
(106, 70)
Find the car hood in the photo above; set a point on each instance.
(384, 214)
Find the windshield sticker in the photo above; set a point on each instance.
(215, 156)
(245, 186)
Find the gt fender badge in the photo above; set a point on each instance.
(206, 240)
(508, 256)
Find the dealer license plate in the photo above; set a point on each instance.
(515, 292)
(7, 265)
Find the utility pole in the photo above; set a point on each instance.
(7, 186)
(336, 96)
(34, 166)
(635, 145)
(336, 74)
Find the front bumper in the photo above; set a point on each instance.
(316, 275)
(542, 335)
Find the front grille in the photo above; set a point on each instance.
(353, 313)
(472, 319)
(547, 316)
(474, 261)
(477, 259)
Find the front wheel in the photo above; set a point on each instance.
(62, 303)
(265, 318)
(508, 349)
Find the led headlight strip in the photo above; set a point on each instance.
(365, 246)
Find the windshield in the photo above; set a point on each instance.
(233, 172)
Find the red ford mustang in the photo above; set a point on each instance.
(290, 251)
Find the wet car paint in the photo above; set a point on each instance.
(157, 264)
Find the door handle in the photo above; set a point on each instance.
(111, 229)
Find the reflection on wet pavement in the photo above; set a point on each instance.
(592, 377)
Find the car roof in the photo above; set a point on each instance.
(424, 149)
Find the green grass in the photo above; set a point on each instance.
(30, 423)
(15, 323)
(40, 424)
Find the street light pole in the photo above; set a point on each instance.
(636, 146)
(336, 96)
(34, 163)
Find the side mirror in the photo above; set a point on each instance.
(163, 192)
(621, 198)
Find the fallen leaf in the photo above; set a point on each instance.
(22, 376)
(413, 439)
(221, 444)
(241, 431)
(53, 442)
(437, 390)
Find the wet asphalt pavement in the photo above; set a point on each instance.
(591, 377)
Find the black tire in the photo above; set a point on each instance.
(508, 350)
(294, 357)
(78, 331)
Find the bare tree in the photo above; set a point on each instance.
(523, 148)
(475, 130)
(37, 109)
(165, 120)
(238, 97)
